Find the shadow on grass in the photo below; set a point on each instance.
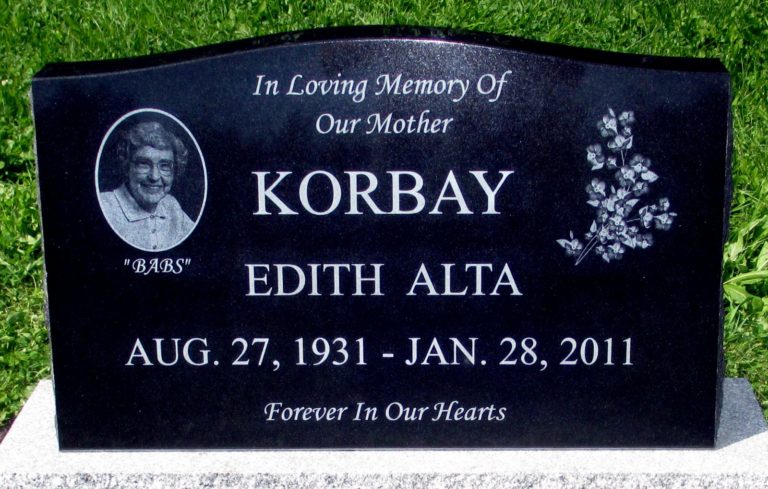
(4, 429)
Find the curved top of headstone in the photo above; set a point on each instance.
(390, 33)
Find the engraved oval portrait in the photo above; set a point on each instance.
(151, 180)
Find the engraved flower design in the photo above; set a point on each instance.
(573, 247)
(618, 218)
(626, 176)
(607, 125)
(620, 142)
(595, 156)
(640, 188)
(626, 118)
(645, 241)
(664, 221)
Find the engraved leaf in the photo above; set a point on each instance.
(593, 227)
(649, 176)
(629, 241)
(631, 203)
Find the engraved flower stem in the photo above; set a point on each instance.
(586, 250)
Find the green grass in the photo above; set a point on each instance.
(33, 33)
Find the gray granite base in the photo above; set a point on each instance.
(29, 458)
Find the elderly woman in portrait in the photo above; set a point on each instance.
(142, 210)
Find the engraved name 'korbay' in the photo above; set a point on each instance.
(408, 193)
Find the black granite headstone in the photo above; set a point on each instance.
(384, 237)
